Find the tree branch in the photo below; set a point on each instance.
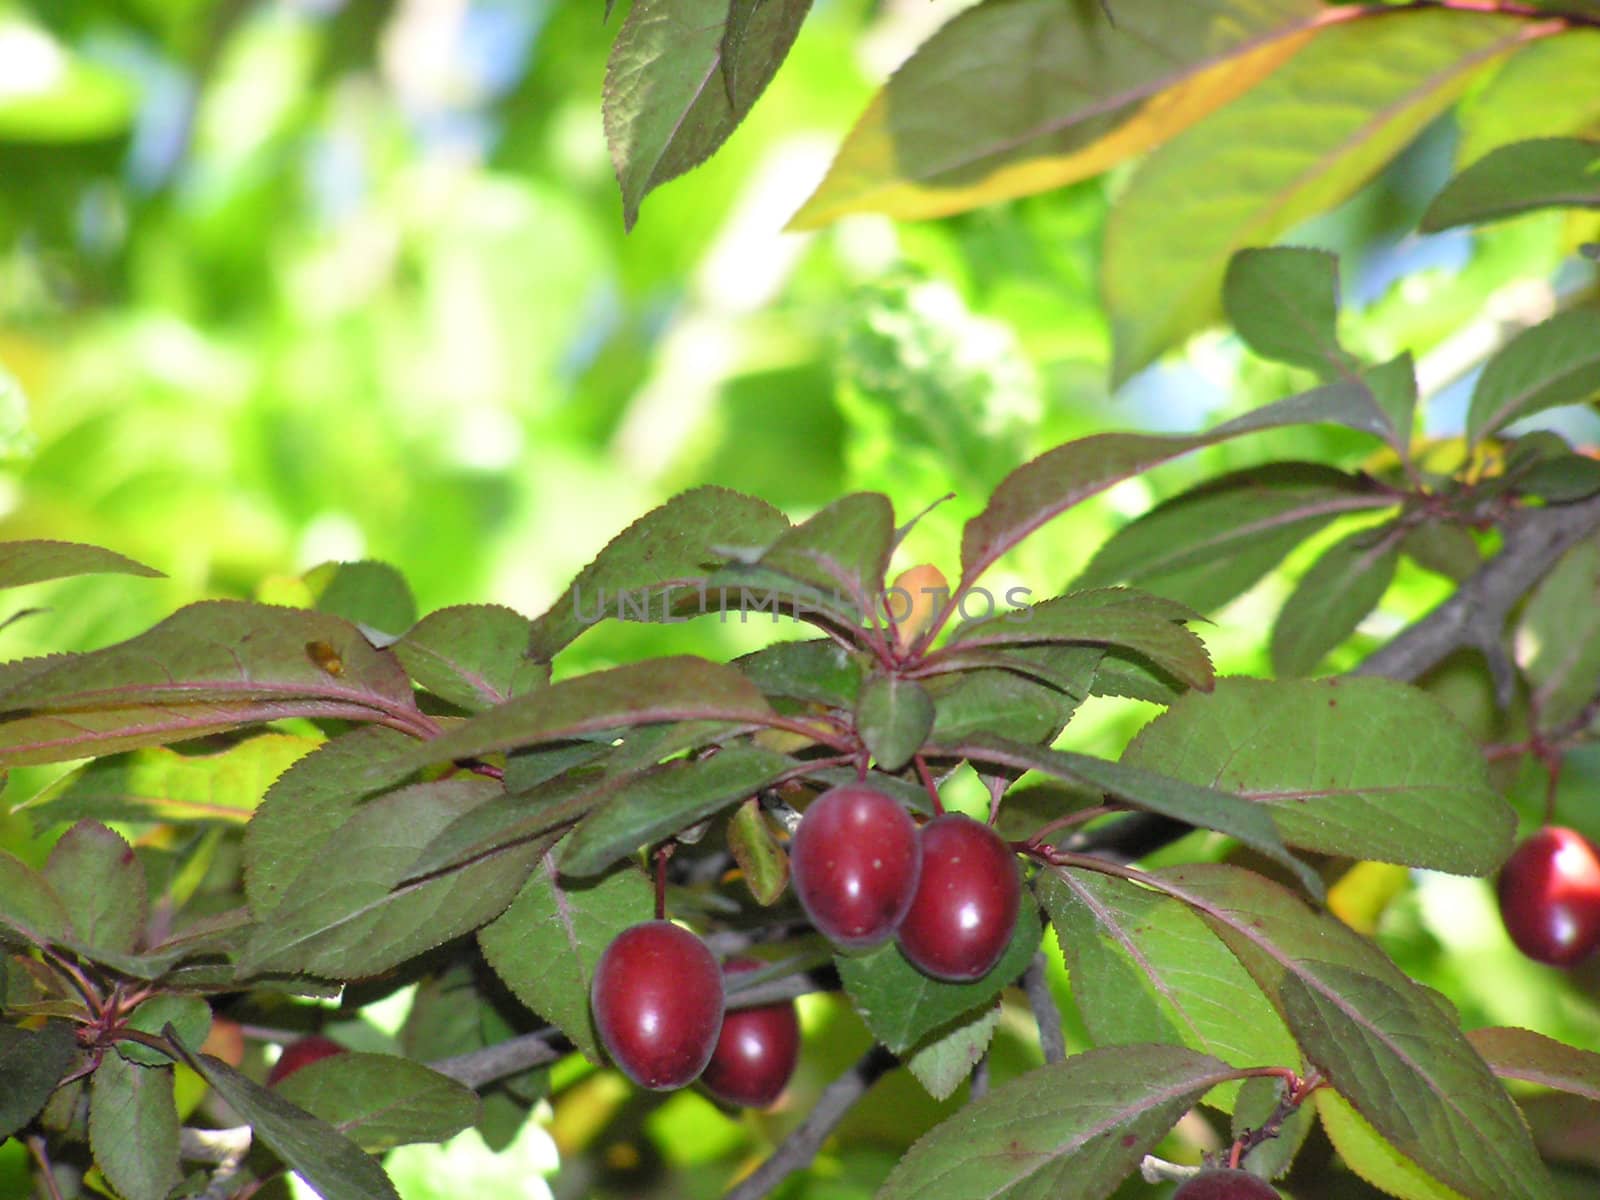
(801, 1146)
(1045, 1013)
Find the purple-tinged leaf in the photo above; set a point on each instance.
(821, 671)
(1534, 1058)
(1284, 302)
(671, 98)
(189, 1015)
(1519, 178)
(1418, 793)
(473, 655)
(29, 906)
(101, 883)
(380, 1101)
(372, 595)
(1073, 1130)
(34, 561)
(1552, 363)
(893, 717)
(1027, 693)
(1342, 586)
(32, 1063)
(133, 1128)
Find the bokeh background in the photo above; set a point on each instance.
(291, 281)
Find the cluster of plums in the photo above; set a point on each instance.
(1550, 896)
(949, 892)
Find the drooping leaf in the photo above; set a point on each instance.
(1558, 635)
(944, 1062)
(1147, 625)
(676, 544)
(1341, 588)
(1416, 793)
(1541, 91)
(1385, 1044)
(894, 717)
(673, 797)
(346, 915)
(545, 945)
(1284, 302)
(1519, 178)
(966, 121)
(671, 99)
(370, 594)
(189, 1015)
(680, 688)
(133, 1128)
(1207, 545)
(34, 561)
(902, 1006)
(1552, 363)
(334, 1166)
(32, 1062)
(29, 906)
(1146, 969)
(1534, 1058)
(762, 861)
(163, 785)
(1364, 1150)
(1170, 795)
(206, 668)
(380, 1101)
(1294, 145)
(473, 655)
(1073, 1130)
(101, 884)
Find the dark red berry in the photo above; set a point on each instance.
(854, 864)
(756, 1054)
(1224, 1184)
(1550, 896)
(302, 1054)
(962, 917)
(657, 1000)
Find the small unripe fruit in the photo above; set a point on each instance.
(657, 1000)
(1225, 1184)
(757, 1052)
(1550, 896)
(302, 1054)
(854, 864)
(965, 909)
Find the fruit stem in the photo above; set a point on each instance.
(663, 852)
(927, 782)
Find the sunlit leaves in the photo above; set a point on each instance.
(1521, 177)
(473, 655)
(1534, 1058)
(1368, 1155)
(33, 561)
(1541, 91)
(1284, 302)
(1415, 791)
(1552, 363)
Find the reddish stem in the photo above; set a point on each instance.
(927, 782)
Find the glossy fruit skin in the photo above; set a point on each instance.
(854, 862)
(1550, 896)
(657, 1001)
(302, 1054)
(965, 910)
(1223, 1184)
(757, 1052)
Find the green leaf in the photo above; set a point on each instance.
(1374, 1159)
(102, 886)
(1562, 479)
(1025, 692)
(671, 547)
(1209, 544)
(545, 945)
(29, 906)
(1558, 636)
(1385, 1044)
(893, 717)
(1294, 145)
(1341, 588)
(761, 859)
(163, 785)
(1552, 363)
(671, 99)
(1444, 548)
(820, 671)
(902, 1006)
(1145, 968)
(33, 561)
(1534, 1058)
(1417, 793)
(1284, 302)
(189, 1015)
(133, 1128)
(966, 121)
(473, 655)
(944, 1063)
(662, 802)
(1202, 806)
(1519, 178)
(1541, 91)
(369, 594)
(308, 804)
(207, 668)
(346, 915)
(380, 1101)
(679, 688)
(334, 1166)
(1147, 625)
(32, 1063)
(1073, 1130)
